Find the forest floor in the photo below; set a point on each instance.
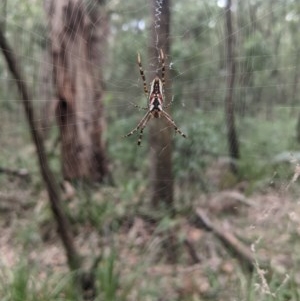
(268, 223)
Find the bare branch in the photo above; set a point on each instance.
(242, 252)
(48, 177)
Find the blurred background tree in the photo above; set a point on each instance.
(78, 37)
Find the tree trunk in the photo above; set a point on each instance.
(76, 37)
(229, 104)
(160, 134)
(85, 278)
(52, 187)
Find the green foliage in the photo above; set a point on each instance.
(257, 53)
(23, 283)
(261, 142)
(26, 31)
(279, 287)
(124, 151)
(108, 279)
(204, 143)
(19, 286)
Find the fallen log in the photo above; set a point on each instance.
(244, 254)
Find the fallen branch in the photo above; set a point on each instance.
(192, 251)
(22, 173)
(243, 253)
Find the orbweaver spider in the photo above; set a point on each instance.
(155, 100)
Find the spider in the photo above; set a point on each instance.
(155, 100)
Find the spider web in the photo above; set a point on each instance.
(266, 125)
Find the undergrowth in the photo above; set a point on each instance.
(260, 140)
(113, 211)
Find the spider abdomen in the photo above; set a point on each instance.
(155, 103)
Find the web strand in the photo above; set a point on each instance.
(158, 8)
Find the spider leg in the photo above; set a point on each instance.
(163, 68)
(142, 73)
(139, 125)
(170, 103)
(137, 106)
(171, 121)
(142, 128)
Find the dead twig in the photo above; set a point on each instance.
(22, 173)
(192, 251)
(242, 252)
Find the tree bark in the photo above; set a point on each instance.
(76, 38)
(233, 143)
(160, 134)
